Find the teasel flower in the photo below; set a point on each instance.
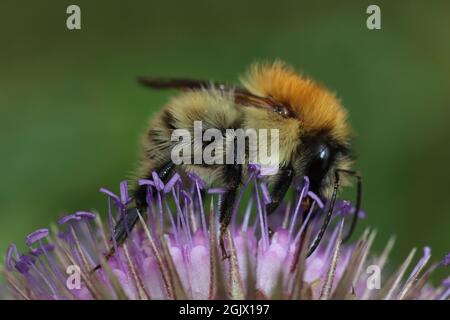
(173, 252)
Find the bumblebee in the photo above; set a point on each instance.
(314, 138)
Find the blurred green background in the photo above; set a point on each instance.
(71, 111)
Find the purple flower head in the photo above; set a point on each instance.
(255, 168)
(124, 192)
(171, 183)
(345, 208)
(302, 185)
(11, 254)
(446, 260)
(24, 263)
(265, 193)
(122, 200)
(197, 180)
(67, 218)
(159, 185)
(41, 250)
(174, 251)
(36, 236)
(446, 282)
(85, 215)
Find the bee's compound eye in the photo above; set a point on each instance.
(320, 162)
(282, 111)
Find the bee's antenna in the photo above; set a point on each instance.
(358, 201)
(327, 218)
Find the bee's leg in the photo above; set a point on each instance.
(280, 187)
(140, 193)
(233, 176)
(225, 210)
(123, 227)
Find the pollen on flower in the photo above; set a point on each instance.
(173, 253)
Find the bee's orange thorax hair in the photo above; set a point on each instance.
(315, 107)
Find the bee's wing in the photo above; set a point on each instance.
(241, 95)
(178, 83)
